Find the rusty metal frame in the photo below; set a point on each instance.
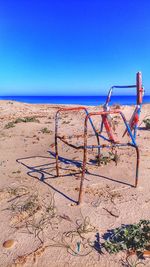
(84, 147)
(133, 144)
(133, 123)
(98, 135)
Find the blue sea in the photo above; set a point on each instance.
(77, 100)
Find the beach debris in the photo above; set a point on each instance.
(16, 172)
(132, 261)
(75, 247)
(8, 243)
(147, 123)
(78, 246)
(65, 217)
(113, 212)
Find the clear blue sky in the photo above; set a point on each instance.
(66, 47)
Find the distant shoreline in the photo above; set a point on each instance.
(76, 100)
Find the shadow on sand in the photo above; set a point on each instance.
(47, 169)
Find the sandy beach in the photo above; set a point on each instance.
(38, 211)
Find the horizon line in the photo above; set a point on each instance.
(68, 95)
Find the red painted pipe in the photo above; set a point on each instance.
(139, 88)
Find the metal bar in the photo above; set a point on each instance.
(111, 91)
(115, 112)
(136, 125)
(108, 127)
(80, 198)
(71, 109)
(105, 138)
(84, 162)
(128, 129)
(101, 127)
(83, 108)
(77, 109)
(92, 124)
(132, 121)
(108, 146)
(85, 147)
(56, 130)
(140, 90)
(56, 144)
(99, 149)
(137, 165)
(77, 136)
(135, 117)
(94, 146)
(140, 93)
(123, 86)
(73, 146)
(108, 99)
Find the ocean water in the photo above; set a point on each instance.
(77, 100)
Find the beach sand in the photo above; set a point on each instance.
(40, 218)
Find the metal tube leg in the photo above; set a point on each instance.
(56, 151)
(56, 145)
(99, 151)
(101, 128)
(82, 177)
(84, 163)
(137, 165)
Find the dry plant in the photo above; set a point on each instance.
(33, 215)
(104, 195)
(107, 158)
(47, 217)
(19, 120)
(29, 205)
(45, 130)
(20, 260)
(42, 214)
(82, 227)
(72, 248)
(15, 192)
(131, 261)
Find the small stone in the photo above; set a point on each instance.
(8, 243)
